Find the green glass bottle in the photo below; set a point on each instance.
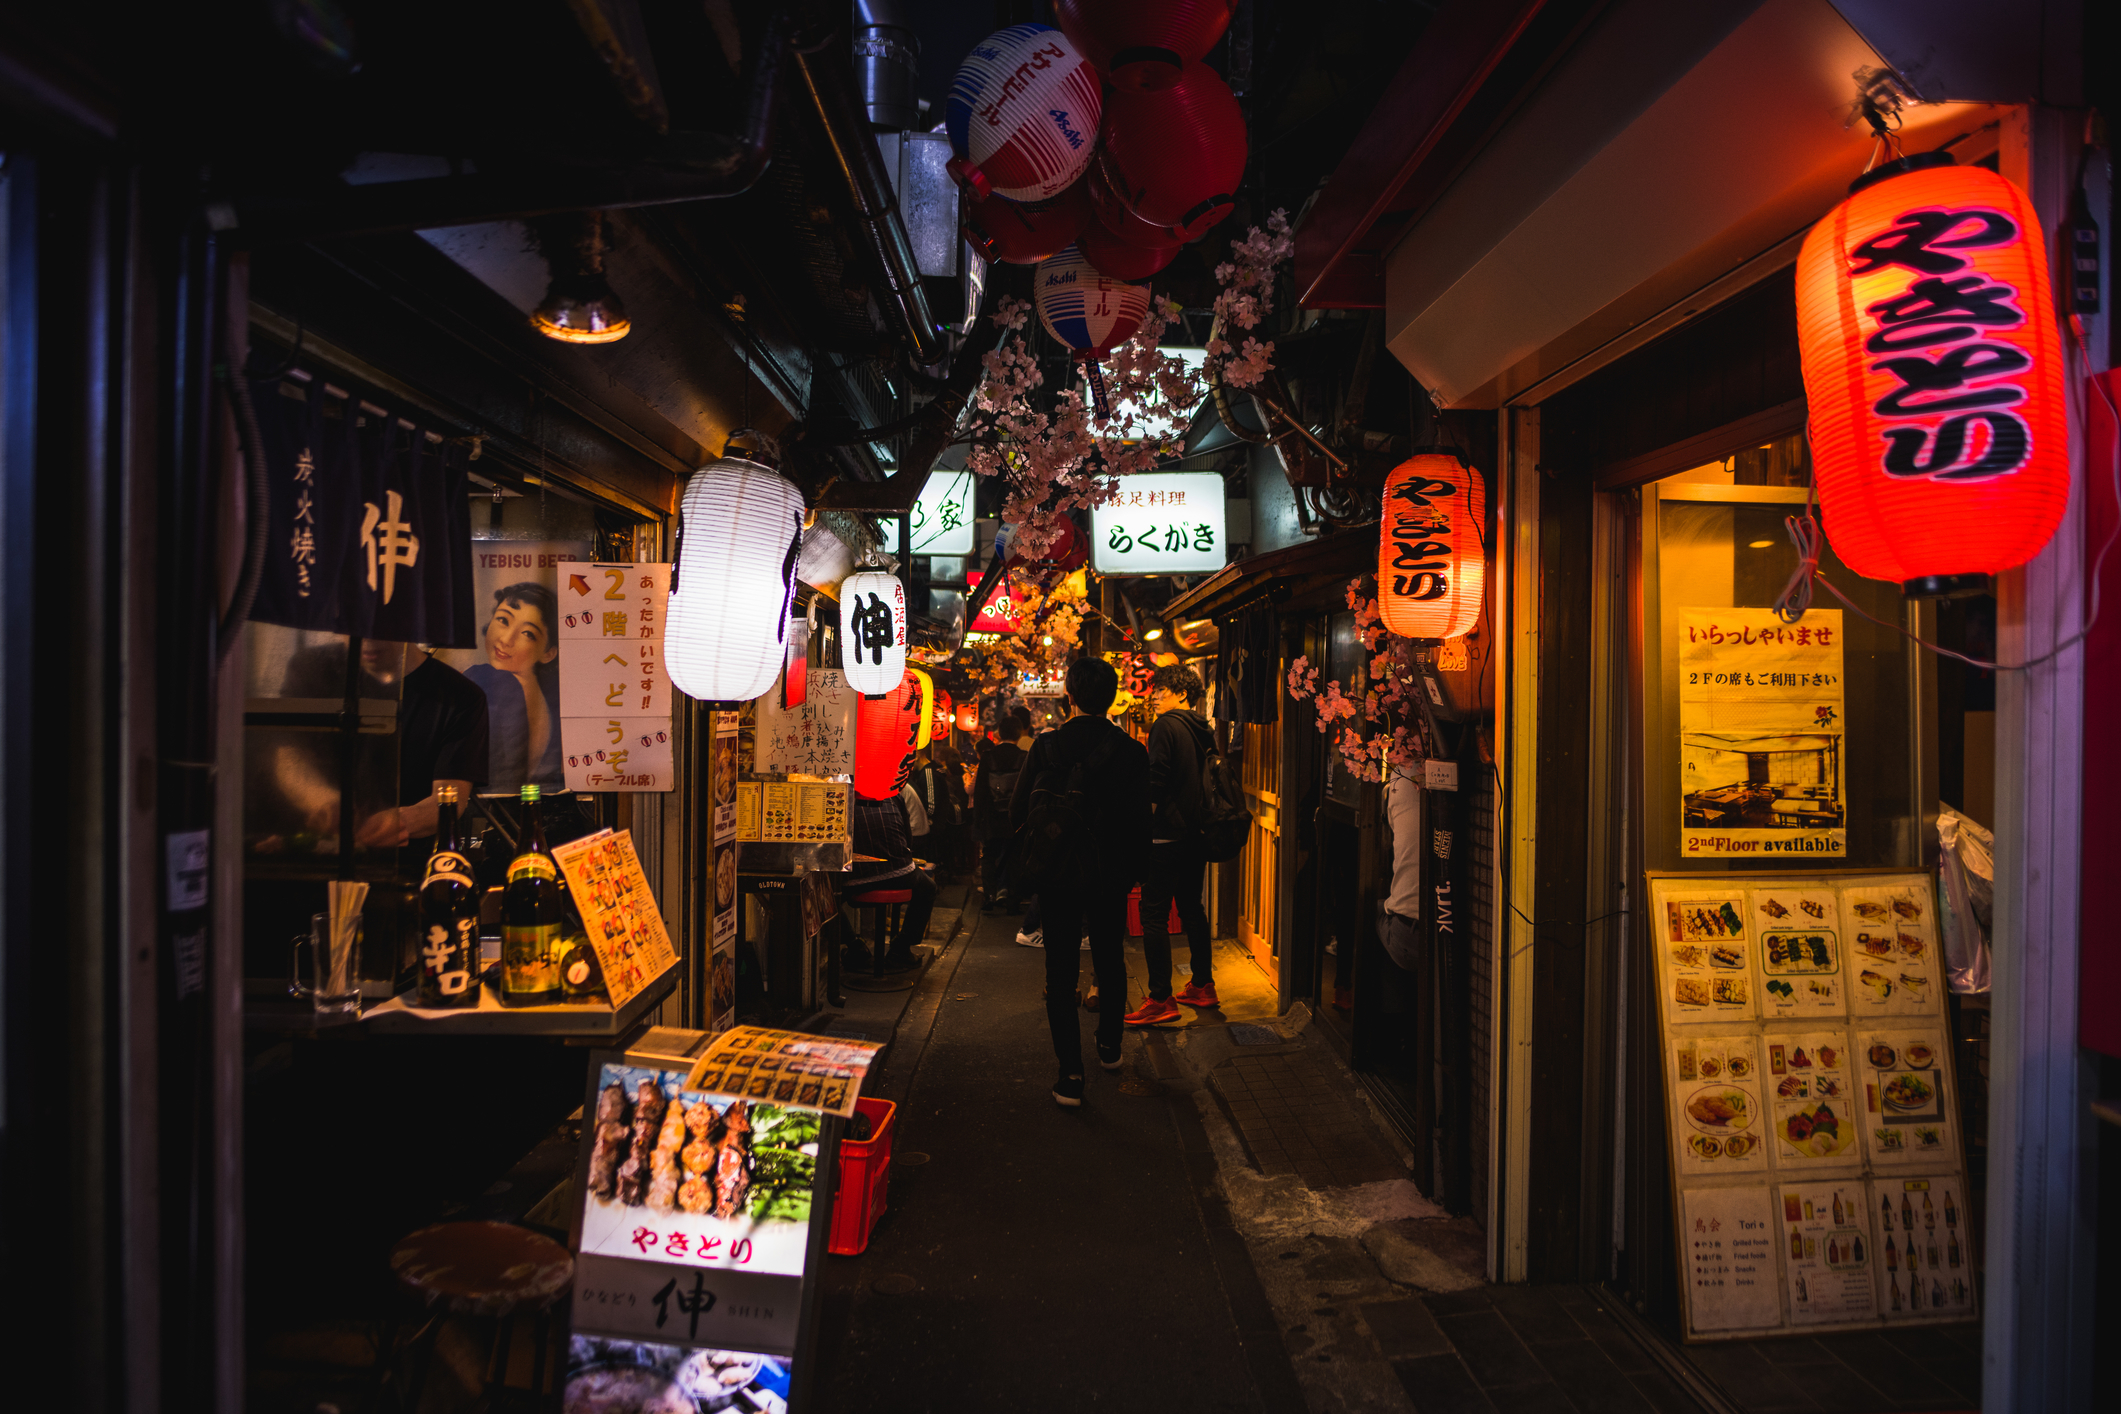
(531, 916)
(449, 918)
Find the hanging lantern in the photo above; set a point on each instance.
(1089, 312)
(925, 732)
(872, 631)
(885, 730)
(1142, 45)
(945, 708)
(733, 580)
(968, 717)
(1175, 156)
(1432, 568)
(1022, 114)
(1119, 259)
(1933, 376)
(1016, 233)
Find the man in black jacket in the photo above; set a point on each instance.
(1179, 743)
(1001, 765)
(1115, 781)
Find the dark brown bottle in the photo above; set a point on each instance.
(449, 917)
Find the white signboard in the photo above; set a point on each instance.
(615, 695)
(1161, 523)
(941, 520)
(815, 739)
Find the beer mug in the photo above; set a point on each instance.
(334, 989)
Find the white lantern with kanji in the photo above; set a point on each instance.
(872, 631)
(739, 528)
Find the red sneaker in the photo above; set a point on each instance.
(1197, 997)
(1153, 1013)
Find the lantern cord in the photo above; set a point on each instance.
(1796, 596)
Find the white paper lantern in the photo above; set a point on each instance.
(873, 631)
(739, 526)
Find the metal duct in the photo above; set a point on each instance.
(887, 60)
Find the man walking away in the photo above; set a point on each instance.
(1082, 812)
(1179, 745)
(1001, 766)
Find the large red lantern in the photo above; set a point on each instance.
(1432, 568)
(1143, 44)
(1933, 376)
(1175, 156)
(885, 730)
(1120, 259)
(1016, 234)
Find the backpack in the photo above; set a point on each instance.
(1057, 848)
(1228, 821)
(1001, 789)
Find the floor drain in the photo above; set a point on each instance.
(896, 1285)
(1245, 1035)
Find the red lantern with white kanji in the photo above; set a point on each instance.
(886, 729)
(1143, 44)
(1933, 376)
(1432, 564)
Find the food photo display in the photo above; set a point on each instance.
(1801, 955)
(1705, 960)
(642, 1377)
(1893, 953)
(1811, 1078)
(1904, 1098)
(1719, 1104)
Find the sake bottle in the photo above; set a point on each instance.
(449, 917)
(531, 912)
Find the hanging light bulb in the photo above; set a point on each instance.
(579, 307)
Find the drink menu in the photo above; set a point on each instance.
(1818, 1170)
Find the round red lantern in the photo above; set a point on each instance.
(968, 716)
(1933, 376)
(1432, 568)
(885, 730)
(1120, 259)
(945, 710)
(1175, 156)
(1022, 114)
(1016, 233)
(1143, 44)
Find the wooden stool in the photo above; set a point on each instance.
(890, 906)
(478, 1270)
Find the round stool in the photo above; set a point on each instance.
(890, 906)
(477, 1270)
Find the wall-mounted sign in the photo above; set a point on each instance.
(614, 693)
(1161, 523)
(940, 522)
(998, 614)
(815, 739)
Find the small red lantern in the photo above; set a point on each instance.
(945, 709)
(1143, 44)
(1933, 376)
(968, 716)
(1175, 156)
(1016, 234)
(1432, 569)
(885, 730)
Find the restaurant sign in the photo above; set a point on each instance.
(1161, 523)
(1762, 770)
(940, 520)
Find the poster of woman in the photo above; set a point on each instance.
(517, 661)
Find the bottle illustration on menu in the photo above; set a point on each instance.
(1797, 1243)
(1885, 1212)
(1929, 1214)
(1951, 1249)
(1931, 1252)
(1837, 1208)
(1892, 1256)
(1894, 1282)
(1951, 1213)
(1803, 1295)
(1907, 1214)
(1856, 1250)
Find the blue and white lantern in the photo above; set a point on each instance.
(1023, 114)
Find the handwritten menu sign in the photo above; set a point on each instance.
(618, 912)
(1811, 1098)
(615, 695)
(814, 738)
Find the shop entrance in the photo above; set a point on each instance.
(1258, 888)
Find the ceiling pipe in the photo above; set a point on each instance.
(827, 73)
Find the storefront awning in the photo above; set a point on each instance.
(1325, 563)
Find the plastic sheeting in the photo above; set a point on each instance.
(1967, 882)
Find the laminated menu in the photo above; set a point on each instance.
(792, 812)
(788, 1067)
(1809, 1086)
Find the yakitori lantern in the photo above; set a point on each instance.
(1143, 44)
(945, 708)
(1432, 567)
(1933, 376)
(925, 732)
(968, 716)
(872, 631)
(1022, 114)
(733, 579)
(1092, 313)
(1017, 233)
(1175, 156)
(885, 730)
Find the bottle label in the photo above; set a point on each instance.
(530, 957)
(578, 973)
(532, 866)
(446, 865)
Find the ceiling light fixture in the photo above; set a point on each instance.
(1152, 635)
(579, 307)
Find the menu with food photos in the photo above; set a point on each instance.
(1810, 1091)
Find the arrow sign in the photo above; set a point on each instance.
(578, 584)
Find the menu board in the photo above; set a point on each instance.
(788, 1067)
(815, 737)
(792, 812)
(1811, 1102)
(625, 927)
(614, 693)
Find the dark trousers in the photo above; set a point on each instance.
(993, 853)
(1103, 914)
(914, 925)
(1175, 871)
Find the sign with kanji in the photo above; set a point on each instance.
(940, 521)
(1161, 523)
(814, 739)
(368, 522)
(1762, 771)
(615, 694)
(618, 912)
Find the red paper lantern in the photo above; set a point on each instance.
(1933, 376)
(1432, 569)
(1016, 234)
(1143, 44)
(1120, 259)
(1175, 156)
(885, 730)
(968, 716)
(945, 712)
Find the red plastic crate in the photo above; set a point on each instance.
(865, 1172)
(1134, 915)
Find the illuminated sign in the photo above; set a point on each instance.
(1161, 523)
(941, 520)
